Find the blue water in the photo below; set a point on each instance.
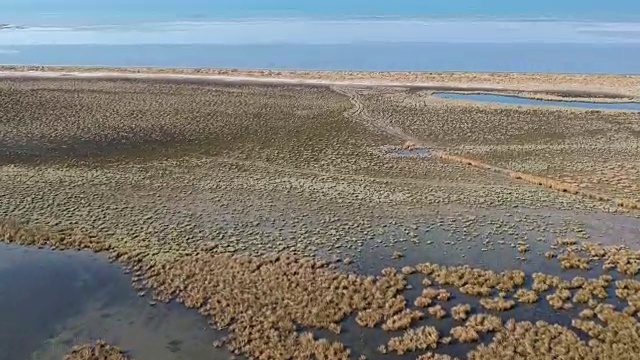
(514, 100)
(363, 56)
(181, 9)
(468, 35)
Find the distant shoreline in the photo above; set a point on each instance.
(589, 87)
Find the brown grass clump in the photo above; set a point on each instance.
(461, 311)
(422, 338)
(542, 282)
(55, 238)
(557, 299)
(434, 356)
(526, 296)
(555, 302)
(437, 311)
(578, 282)
(582, 296)
(571, 260)
(563, 294)
(443, 295)
(616, 337)
(373, 316)
(321, 349)
(530, 341)
(422, 302)
(586, 314)
(628, 204)
(478, 323)
(598, 287)
(621, 258)
(262, 314)
(630, 310)
(402, 320)
(546, 182)
(97, 351)
(426, 268)
(629, 290)
(625, 261)
(427, 297)
(408, 145)
(466, 161)
(464, 334)
(473, 281)
(476, 290)
(484, 323)
(408, 270)
(566, 242)
(523, 248)
(497, 304)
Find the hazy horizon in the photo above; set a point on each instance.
(310, 34)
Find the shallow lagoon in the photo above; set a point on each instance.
(516, 100)
(53, 300)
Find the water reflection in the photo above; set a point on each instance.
(515, 100)
(50, 301)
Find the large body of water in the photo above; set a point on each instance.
(468, 35)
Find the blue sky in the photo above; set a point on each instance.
(418, 8)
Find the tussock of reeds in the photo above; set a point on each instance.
(434, 356)
(571, 260)
(464, 334)
(99, 350)
(526, 296)
(497, 304)
(437, 311)
(484, 323)
(41, 236)
(460, 312)
(422, 338)
(402, 320)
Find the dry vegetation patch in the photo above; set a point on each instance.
(422, 338)
(98, 351)
(254, 186)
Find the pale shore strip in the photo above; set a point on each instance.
(596, 87)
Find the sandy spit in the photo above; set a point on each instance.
(565, 85)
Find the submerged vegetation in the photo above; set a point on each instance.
(275, 213)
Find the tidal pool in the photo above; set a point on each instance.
(516, 100)
(53, 300)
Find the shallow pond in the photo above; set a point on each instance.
(516, 100)
(52, 300)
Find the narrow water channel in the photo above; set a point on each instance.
(52, 300)
(516, 100)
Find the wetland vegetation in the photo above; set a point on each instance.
(336, 222)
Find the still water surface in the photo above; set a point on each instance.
(515, 100)
(52, 300)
